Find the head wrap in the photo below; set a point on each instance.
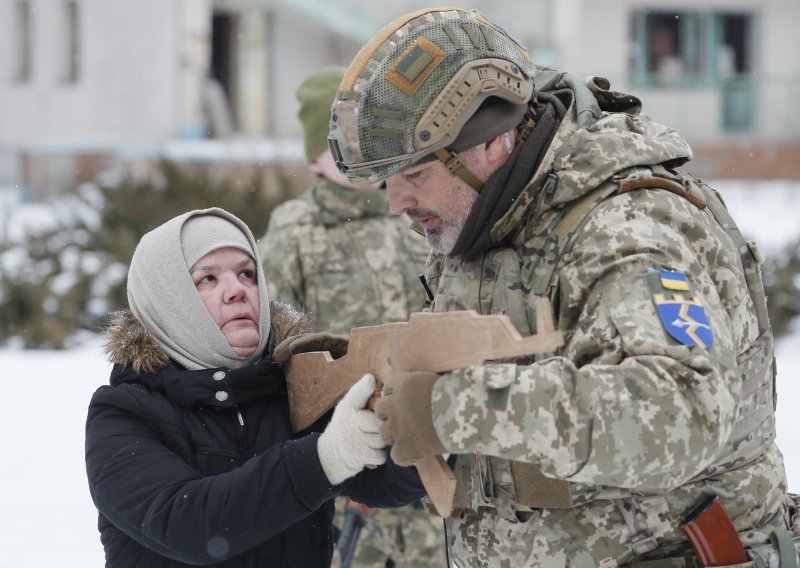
(163, 297)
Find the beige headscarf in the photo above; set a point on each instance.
(163, 297)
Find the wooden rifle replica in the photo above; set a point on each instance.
(436, 342)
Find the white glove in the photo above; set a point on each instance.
(352, 439)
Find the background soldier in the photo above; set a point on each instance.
(529, 182)
(338, 253)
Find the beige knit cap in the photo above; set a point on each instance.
(163, 297)
(202, 234)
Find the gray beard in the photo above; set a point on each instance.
(444, 239)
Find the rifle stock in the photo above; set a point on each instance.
(436, 342)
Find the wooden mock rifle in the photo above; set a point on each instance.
(436, 342)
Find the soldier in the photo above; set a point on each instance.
(339, 253)
(529, 182)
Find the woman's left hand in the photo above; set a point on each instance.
(336, 345)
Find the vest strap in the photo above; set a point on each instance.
(661, 183)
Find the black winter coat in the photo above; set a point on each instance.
(202, 468)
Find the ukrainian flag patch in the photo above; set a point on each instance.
(672, 280)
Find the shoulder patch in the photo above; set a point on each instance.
(672, 280)
(683, 315)
(685, 320)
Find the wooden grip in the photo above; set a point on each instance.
(439, 481)
(712, 535)
(435, 474)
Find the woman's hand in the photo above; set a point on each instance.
(352, 440)
(336, 345)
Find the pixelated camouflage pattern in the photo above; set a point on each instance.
(638, 424)
(407, 537)
(360, 131)
(340, 255)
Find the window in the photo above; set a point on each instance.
(733, 53)
(672, 52)
(733, 69)
(697, 50)
(69, 45)
(21, 32)
(688, 48)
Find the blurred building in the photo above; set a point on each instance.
(725, 73)
(85, 80)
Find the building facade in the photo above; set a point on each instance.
(99, 77)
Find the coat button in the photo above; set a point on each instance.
(221, 396)
(219, 375)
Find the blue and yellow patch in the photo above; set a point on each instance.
(672, 280)
(682, 315)
(685, 320)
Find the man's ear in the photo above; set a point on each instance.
(497, 150)
(315, 168)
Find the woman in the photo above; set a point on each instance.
(189, 452)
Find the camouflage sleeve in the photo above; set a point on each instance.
(626, 405)
(281, 259)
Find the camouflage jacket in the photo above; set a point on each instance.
(639, 424)
(343, 257)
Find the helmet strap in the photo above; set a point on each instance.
(456, 167)
(526, 127)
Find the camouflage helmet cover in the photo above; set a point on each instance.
(414, 85)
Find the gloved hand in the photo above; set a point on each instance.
(405, 408)
(306, 342)
(351, 441)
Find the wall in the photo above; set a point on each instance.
(127, 85)
(598, 44)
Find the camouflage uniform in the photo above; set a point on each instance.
(663, 392)
(637, 423)
(340, 255)
(406, 537)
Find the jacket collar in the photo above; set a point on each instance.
(579, 159)
(138, 359)
(338, 204)
(223, 388)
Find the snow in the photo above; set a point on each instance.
(765, 210)
(47, 518)
(46, 514)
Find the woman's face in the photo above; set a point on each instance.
(226, 280)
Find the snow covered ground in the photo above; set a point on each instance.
(47, 518)
(46, 515)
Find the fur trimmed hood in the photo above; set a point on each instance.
(129, 343)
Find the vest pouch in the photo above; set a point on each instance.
(780, 553)
(531, 487)
(534, 489)
(754, 430)
(792, 502)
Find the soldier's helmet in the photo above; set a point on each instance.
(439, 79)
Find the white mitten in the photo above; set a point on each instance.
(352, 439)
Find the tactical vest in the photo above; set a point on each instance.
(490, 288)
